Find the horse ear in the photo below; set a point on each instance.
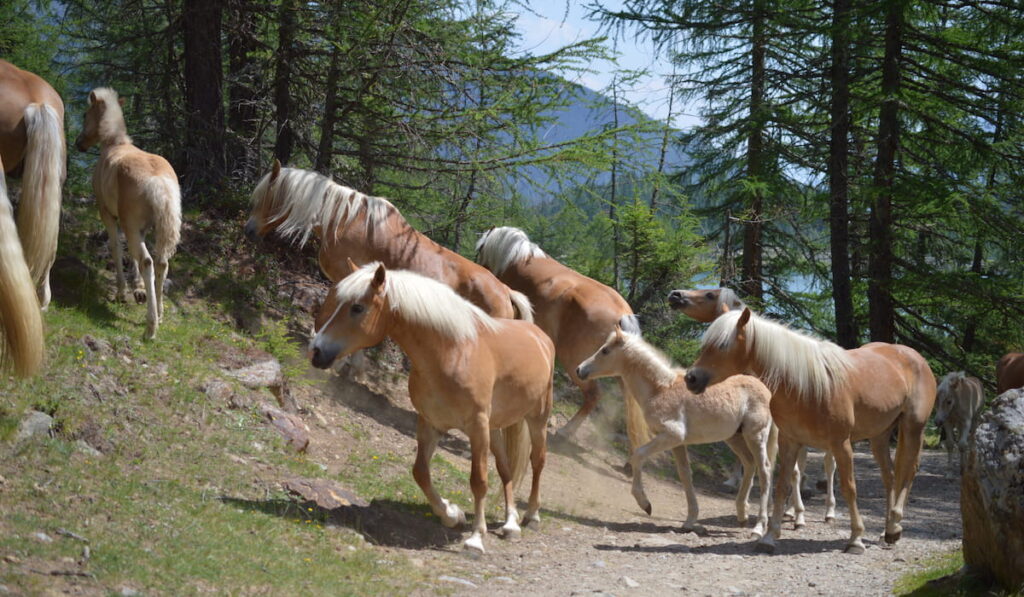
(618, 331)
(725, 308)
(378, 277)
(352, 265)
(120, 101)
(744, 318)
(276, 170)
(92, 97)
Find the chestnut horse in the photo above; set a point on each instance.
(1010, 372)
(32, 146)
(21, 323)
(298, 204)
(705, 306)
(827, 397)
(735, 411)
(577, 312)
(469, 372)
(135, 191)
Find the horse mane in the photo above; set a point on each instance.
(814, 368)
(727, 296)
(420, 300)
(948, 379)
(500, 247)
(648, 360)
(307, 199)
(111, 125)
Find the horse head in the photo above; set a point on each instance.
(353, 316)
(720, 358)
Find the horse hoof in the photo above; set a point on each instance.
(532, 521)
(892, 538)
(798, 525)
(830, 520)
(762, 547)
(627, 469)
(854, 549)
(511, 533)
(474, 546)
(696, 529)
(140, 296)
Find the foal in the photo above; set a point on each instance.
(135, 191)
(735, 412)
(958, 403)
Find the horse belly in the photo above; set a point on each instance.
(704, 431)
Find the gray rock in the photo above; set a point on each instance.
(218, 390)
(457, 580)
(97, 345)
(43, 537)
(84, 447)
(36, 423)
(629, 582)
(266, 374)
(992, 492)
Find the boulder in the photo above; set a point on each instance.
(289, 426)
(992, 493)
(266, 374)
(35, 424)
(325, 493)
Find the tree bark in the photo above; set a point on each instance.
(881, 309)
(242, 114)
(204, 133)
(752, 247)
(325, 149)
(286, 28)
(839, 213)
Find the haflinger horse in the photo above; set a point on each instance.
(21, 323)
(958, 405)
(577, 312)
(735, 411)
(1010, 372)
(298, 204)
(827, 397)
(705, 306)
(32, 147)
(135, 191)
(470, 372)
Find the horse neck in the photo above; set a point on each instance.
(425, 347)
(644, 379)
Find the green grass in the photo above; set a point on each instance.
(942, 575)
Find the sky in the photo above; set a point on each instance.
(547, 26)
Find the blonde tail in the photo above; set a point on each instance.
(517, 448)
(522, 306)
(21, 323)
(165, 195)
(636, 425)
(39, 209)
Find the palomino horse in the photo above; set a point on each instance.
(958, 404)
(577, 312)
(135, 191)
(469, 371)
(1010, 372)
(735, 411)
(32, 146)
(705, 306)
(297, 204)
(21, 323)
(828, 397)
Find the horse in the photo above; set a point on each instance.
(21, 323)
(135, 191)
(958, 404)
(470, 372)
(32, 146)
(705, 306)
(1010, 372)
(736, 412)
(577, 312)
(828, 397)
(297, 204)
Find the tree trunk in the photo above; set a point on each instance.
(286, 22)
(881, 310)
(325, 150)
(614, 190)
(839, 213)
(242, 114)
(204, 133)
(751, 283)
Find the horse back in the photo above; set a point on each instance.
(523, 358)
(18, 89)
(889, 377)
(1010, 372)
(120, 181)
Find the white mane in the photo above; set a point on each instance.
(111, 124)
(813, 368)
(307, 199)
(948, 379)
(500, 247)
(652, 362)
(420, 300)
(726, 296)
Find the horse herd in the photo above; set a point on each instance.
(483, 337)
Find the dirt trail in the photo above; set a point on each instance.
(595, 540)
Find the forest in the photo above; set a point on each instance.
(857, 170)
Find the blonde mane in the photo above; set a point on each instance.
(500, 247)
(649, 361)
(111, 127)
(307, 199)
(813, 368)
(420, 300)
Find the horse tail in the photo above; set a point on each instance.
(39, 210)
(521, 305)
(21, 323)
(164, 195)
(636, 425)
(517, 449)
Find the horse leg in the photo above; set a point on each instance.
(511, 528)
(788, 452)
(745, 456)
(110, 223)
(883, 457)
(735, 475)
(479, 438)
(161, 276)
(795, 503)
(141, 257)
(908, 453)
(843, 452)
(682, 458)
(948, 442)
(757, 444)
(426, 442)
(661, 442)
(538, 455)
(590, 395)
(830, 496)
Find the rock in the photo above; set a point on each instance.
(35, 424)
(289, 426)
(325, 493)
(629, 582)
(598, 564)
(129, 592)
(266, 374)
(43, 537)
(505, 579)
(218, 390)
(457, 580)
(992, 492)
(84, 447)
(97, 345)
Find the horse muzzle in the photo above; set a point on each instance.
(583, 372)
(677, 300)
(322, 359)
(697, 380)
(251, 231)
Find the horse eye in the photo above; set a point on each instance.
(357, 309)
(709, 296)
(604, 350)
